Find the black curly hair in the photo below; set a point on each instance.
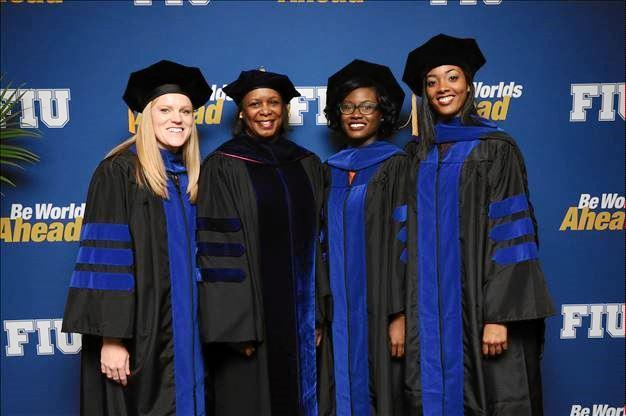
(389, 112)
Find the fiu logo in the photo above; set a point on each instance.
(53, 107)
(300, 105)
(51, 223)
(18, 333)
(601, 318)
(584, 96)
(584, 216)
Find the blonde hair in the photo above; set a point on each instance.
(151, 169)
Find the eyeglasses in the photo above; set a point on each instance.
(365, 108)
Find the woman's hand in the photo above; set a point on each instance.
(396, 336)
(494, 339)
(115, 360)
(318, 336)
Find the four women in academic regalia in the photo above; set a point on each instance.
(385, 282)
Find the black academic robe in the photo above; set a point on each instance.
(473, 259)
(262, 278)
(134, 279)
(366, 231)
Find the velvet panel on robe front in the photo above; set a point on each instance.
(366, 214)
(132, 302)
(265, 291)
(459, 280)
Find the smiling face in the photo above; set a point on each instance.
(172, 120)
(360, 127)
(446, 89)
(262, 112)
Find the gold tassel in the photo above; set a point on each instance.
(414, 124)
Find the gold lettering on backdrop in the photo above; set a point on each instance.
(20, 231)
(32, 1)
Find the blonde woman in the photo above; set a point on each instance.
(132, 294)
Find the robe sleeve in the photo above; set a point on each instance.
(514, 287)
(101, 299)
(225, 288)
(398, 256)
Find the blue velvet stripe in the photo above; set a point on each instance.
(359, 158)
(508, 206)
(399, 213)
(223, 275)
(303, 267)
(449, 258)
(221, 249)
(428, 288)
(102, 281)
(188, 361)
(516, 254)
(108, 256)
(356, 276)
(348, 277)
(336, 198)
(104, 231)
(401, 236)
(221, 225)
(451, 131)
(439, 262)
(513, 229)
(404, 256)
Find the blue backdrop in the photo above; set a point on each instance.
(554, 79)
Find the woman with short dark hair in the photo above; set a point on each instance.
(474, 272)
(264, 301)
(366, 236)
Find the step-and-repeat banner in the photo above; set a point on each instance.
(554, 79)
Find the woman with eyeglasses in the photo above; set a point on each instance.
(263, 291)
(366, 234)
(473, 259)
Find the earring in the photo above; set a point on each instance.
(240, 116)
